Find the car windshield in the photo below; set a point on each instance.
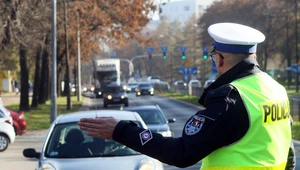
(116, 89)
(144, 85)
(151, 116)
(68, 141)
(132, 84)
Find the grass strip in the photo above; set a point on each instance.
(39, 118)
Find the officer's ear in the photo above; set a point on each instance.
(220, 61)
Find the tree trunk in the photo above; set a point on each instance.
(44, 76)
(24, 103)
(37, 78)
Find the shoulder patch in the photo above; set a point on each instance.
(194, 125)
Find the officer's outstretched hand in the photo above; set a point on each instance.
(100, 127)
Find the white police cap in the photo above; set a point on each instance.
(235, 38)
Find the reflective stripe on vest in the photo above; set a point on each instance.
(266, 143)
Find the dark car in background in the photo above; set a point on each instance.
(114, 94)
(154, 118)
(144, 89)
(19, 122)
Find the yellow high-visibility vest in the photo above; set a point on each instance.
(266, 143)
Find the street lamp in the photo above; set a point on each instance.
(78, 60)
(67, 59)
(54, 62)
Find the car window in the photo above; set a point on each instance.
(115, 89)
(132, 84)
(2, 115)
(151, 116)
(144, 85)
(68, 141)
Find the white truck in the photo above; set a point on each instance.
(106, 71)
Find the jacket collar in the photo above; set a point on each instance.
(244, 68)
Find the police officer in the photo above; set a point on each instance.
(245, 123)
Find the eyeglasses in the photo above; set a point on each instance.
(213, 55)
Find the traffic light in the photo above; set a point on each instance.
(183, 56)
(164, 55)
(205, 55)
(149, 55)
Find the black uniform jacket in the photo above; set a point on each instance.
(223, 122)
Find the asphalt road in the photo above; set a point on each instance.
(12, 158)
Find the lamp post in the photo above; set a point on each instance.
(78, 61)
(296, 44)
(67, 60)
(53, 71)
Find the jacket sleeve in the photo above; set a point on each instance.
(203, 133)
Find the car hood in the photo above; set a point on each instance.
(158, 127)
(102, 163)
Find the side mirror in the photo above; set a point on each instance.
(171, 120)
(31, 153)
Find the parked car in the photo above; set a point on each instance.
(114, 94)
(154, 118)
(207, 83)
(144, 89)
(66, 147)
(7, 133)
(194, 83)
(131, 86)
(19, 122)
(88, 88)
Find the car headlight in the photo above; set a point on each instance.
(46, 167)
(166, 133)
(147, 165)
(152, 89)
(129, 89)
(124, 87)
(92, 88)
(84, 89)
(73, 89)
(109, 97)
(99, 93)
(122, 97)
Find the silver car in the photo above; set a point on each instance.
(154, 118)
(66, 147)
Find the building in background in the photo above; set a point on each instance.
(182, 10)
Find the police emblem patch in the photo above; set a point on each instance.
(194, 125)
(145, 136)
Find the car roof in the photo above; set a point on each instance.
(76, 116)
(142, 107)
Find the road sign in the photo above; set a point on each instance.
(188, 63)
(204, 48)
(113, 54)
(164, 48)
(194, 70)
(149, 49)
(296, 68)
(183, 48)
(188, 70)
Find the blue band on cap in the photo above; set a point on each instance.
(233, 48)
